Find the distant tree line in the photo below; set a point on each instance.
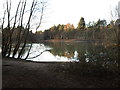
(99, 30)
(91, 31)
(94, 30)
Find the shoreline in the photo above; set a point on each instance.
(71, 40)
(23, 60)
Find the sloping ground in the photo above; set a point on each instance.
(26, 74)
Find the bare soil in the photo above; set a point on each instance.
(27, 74)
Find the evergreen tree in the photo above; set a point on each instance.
(61, 27)
(101, 23)
(81, 24)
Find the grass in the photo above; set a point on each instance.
(85, 69)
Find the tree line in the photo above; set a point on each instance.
(99, 30)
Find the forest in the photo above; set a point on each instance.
(100, 30)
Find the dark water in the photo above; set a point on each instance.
(89, 52)
(94, 52)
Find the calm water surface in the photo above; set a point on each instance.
(72, 52)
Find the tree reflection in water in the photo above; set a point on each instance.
(94, 53)
(87, 52)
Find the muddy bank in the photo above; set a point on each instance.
(26, 74)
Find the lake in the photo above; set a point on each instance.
(94, 52)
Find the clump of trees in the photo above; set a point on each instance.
(99, 30)
(16, 33)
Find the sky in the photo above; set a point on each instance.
(70, 11)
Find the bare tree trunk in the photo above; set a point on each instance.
(10, 44)
(28, 51)
(19, 33)
(27, 27)
(118, 36)
(3, 35)
(38, 54)
(8, 28)
(40, 17)
(36, 30)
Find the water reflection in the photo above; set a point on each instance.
(82, 52)
(0, 47)
(49, 55)
(75, 55)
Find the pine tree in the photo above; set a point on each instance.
(81, 24)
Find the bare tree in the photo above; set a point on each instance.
(116, 27)
(20, 27)
(115, 15)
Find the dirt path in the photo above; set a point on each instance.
(22, 74)
(25, 74)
